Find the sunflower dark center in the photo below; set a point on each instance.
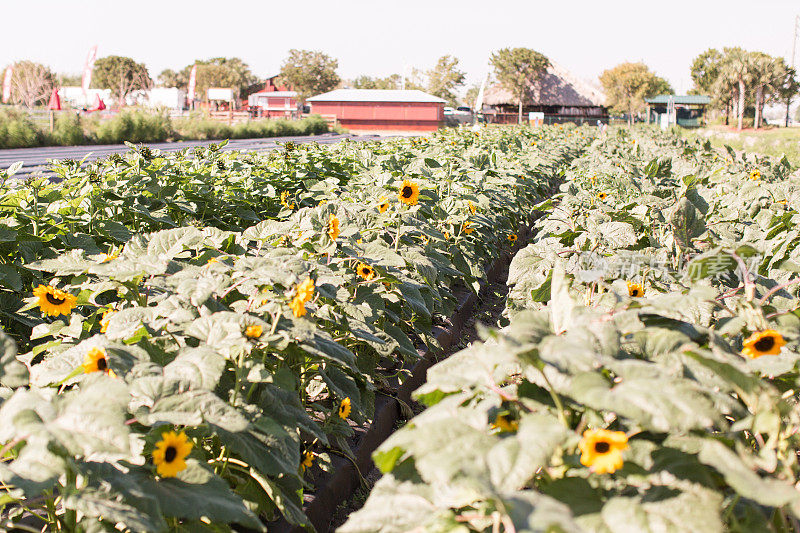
(602, 447)
(407, 192)
(102, 364)
(765, 344)
(53, 299)
(635, 292)
(170, 454)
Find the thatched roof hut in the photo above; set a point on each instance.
(558, 94)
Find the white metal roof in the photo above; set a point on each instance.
(276, 94)
(375, 95)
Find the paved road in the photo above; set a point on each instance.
(35, 160)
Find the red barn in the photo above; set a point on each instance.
(381, 110)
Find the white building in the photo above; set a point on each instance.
(166, 98)
(75, 97)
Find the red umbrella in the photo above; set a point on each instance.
(55, 101)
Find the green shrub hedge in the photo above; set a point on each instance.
(18, 130)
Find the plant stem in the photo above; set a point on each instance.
(556, 399)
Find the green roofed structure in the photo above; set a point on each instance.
(684, 110)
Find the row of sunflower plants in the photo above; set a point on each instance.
(101, 205)
(199, 377)
(647, 377)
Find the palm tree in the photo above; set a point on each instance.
(738, 68)
(768, 74)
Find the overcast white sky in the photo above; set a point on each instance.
(379, 37)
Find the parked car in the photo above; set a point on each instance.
(458, 115)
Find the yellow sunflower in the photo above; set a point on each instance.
(383, 204)
(755, 175)
(105, 318)
(53, 301)
(253, 331)
(305, 290)
(108, 257)
(365, 271)
(505, 424)
(409, 192)
(767, 342)
(466, 229)
(297, 306)
(308, 460)
(344, 408)
(333, 227)
(512, 237)
(96, 360)
(472, 207)
(285, 200)
(170, 453)
(322, 202)
(635, 290)
(601, 450)
(602, 196)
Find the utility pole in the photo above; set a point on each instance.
(794, 49)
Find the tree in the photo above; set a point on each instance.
(31, 83)
(444, 78)
(472, 95)
(229, 72)
(788, 90)
(214, 75)
(309, 73)
(518, 69)
(170, 78)
(367, 82)
(417, 80)
(768, 75)
(628, 84)
(737, 67)
(69, 80)
(705, 70)
(122, 75)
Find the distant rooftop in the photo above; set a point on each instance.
(376, 95)
(277, 94)
(686, 99)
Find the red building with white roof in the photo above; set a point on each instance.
(381, 109)
(273, 101)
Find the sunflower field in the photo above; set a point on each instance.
(188, 338)
(646, 375)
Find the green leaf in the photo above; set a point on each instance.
(687, 223)
(198, 493)
(13, 373)
(394, 507)
(113, 508)
(265, 446)
(192, 408)
(514, 461)
(196, 368)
